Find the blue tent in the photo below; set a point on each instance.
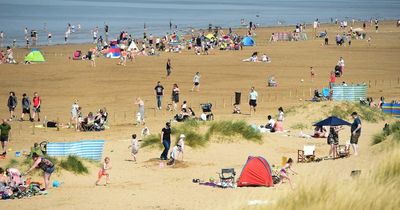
(248, 41)
(332, 121)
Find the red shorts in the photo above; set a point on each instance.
(101, 173)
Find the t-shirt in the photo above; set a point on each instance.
(196, 78)
(159, 90)
(135, 144)
(355, 124)
(253, 95)
(74, 109)
(166, 134)
(271, 123)
(36, 101)
(5, 129)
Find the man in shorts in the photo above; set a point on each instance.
(37, 101)
(253, 95)
(4, 134)
(355, 132)
(26, 107)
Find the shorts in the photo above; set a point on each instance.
(101, 173)
(196, 84)
(36, 109)
(354, 138)
(175, 98)
(253, 103)
(134, 151)
(50, 170)
(11, 109)
(26, 111)
(3, 138)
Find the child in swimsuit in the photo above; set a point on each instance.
(284, 172)
(104, 171)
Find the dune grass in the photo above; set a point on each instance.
(299, 126)
(366, 113)
(152, 141)
(231, 128)
(13, 163)
(74, 165)
(393, 129)
(374, 189)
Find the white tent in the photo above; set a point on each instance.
(133, 47)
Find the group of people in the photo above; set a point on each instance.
(26, 106)
(91, 122)
(7, 57)
(177, 150)
(254, 58)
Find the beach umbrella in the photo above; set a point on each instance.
(332, 121)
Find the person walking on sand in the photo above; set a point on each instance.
(196, 81)
(75, 115)
(175, 96)
(355, 132)
(106, 166)
(46, 165)
(168, 67)
(4, 136)
(159, 90)
(253, 95)
(140, 104)
(135, 146)
(312, 72)
(12, 104)
(284, 172)
(166, 140)
(26, 107)
(37, 102)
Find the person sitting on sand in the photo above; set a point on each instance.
(135, 146)
(271, 124)
(177, 150)
(320, 132)
(265, 58)
(106, 166)
(253, 58)
(272, 82)
(14, 177)
(284, 172)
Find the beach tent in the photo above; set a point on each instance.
(256, 172)
(113, 52)
(90, 149)
(133, 47)
(35, 56)
(248, 41)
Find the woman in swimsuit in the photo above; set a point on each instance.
(46, 165)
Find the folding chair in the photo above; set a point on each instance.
(343, 151)
(307, 154)
(227, 177)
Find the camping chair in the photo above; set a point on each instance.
(325, 93)
(77, 55)
(343, 151)
(307, 154)
(227, 177)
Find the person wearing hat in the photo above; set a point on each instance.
(178, 149)
(166, 140)
(355, 132)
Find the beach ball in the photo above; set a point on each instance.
(56, 183)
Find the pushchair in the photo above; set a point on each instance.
(207, 110)
(77, 55)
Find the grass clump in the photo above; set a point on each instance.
(378, 138)
(232, 128)
(74, 164)
(366, 113)
(392, 129)
(153, 140)
(192, 139)
(12, 164)
(299, 126)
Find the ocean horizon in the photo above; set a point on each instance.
(53, 16)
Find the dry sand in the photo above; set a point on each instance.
(147, 186)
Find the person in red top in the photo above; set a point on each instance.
(332, 79)
(36, 106)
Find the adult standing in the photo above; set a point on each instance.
(166, 140)
(279, 120)
(26, 107)
(37, 101)
(140, 104)
(4, 135)
(159, 90)
(175, 95)
(253, 95)
(355, 132)
(340, 63)
(12, 103)
(75, 114)
(168, 67)
(196, 81)
(333, 140)
(46, 165)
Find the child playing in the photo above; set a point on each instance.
(134, 146)
(178, 149)
(312, 74)
(284, 172)
(104, 171)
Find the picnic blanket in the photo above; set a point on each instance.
(90, 149)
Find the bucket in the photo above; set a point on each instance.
(17, 154)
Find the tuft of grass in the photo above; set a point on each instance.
(366, 113)
(12, 164)
(74, 164)
(393, 129)
(193, 139)
(378, 138)
(299, 126)
(152, 141)
(231, 128)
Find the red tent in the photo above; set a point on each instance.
(256, 172)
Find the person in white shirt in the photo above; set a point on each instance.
(271, 124)
(196, 82)
(253, 95)
(177, 150)
(135, 147)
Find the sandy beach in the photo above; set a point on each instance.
(146, 185)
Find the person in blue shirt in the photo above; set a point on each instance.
(355, 132)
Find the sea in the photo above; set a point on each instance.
(159, 17)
